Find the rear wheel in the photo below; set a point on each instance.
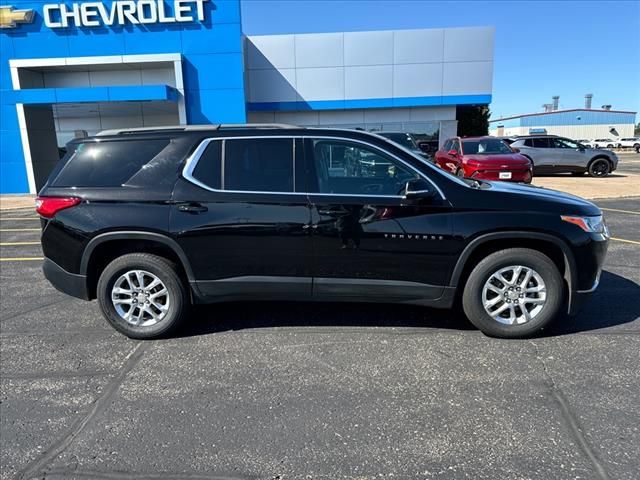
(513, 293)
(600, 167)
(142, 296)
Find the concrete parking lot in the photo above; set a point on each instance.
(296, 390)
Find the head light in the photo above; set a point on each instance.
(589, 224)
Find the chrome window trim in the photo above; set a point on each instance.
(192, 162)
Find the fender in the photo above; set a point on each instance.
(135, 235)
(569, 260)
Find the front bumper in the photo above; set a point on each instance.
(580, 297)
(65, 282)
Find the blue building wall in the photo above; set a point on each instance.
(212, 66)
(569, 117)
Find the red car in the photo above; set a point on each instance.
(485, 158)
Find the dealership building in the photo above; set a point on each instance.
(72, 69)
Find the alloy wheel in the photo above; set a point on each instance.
(140, 298)
(514, 295)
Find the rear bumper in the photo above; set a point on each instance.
(69, 283)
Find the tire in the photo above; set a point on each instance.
(610, 146)
(460, 173)
(599, 167)
(169, 308)
(637, 147)
(541, 310)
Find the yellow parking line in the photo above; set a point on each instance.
(625, 240)
(621, 211)
(13, 244)
(20, 229)
(21, 259)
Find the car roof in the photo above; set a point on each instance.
(227, 130)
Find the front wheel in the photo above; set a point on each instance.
(142, 296)
(600, 167)
(513, 293)
(460, 173)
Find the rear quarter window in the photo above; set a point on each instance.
(108, 163)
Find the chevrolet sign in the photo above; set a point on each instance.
(121, 12)
(9, 17)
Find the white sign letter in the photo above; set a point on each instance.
(90, 14)
(48, 21)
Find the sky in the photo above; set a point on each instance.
(542, 48)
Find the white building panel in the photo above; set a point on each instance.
(320, 83)
(341, 117)
(429, 114)
(369, 82)
(417, 80)
(467, 78)
(65, 79)
(418, 46)
(368, 48)
(271, 51)
(102, 78)
(468, 44)
(319, 50)
(272, 85)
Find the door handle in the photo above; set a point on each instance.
(192, 208)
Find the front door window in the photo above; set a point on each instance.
(348, 168)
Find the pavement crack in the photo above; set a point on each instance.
(36, 467)
(570, 418)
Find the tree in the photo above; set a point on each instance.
(473, 120)
(636, 131)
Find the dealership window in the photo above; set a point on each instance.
(258, 165)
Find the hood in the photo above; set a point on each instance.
(497, 160)
(531, 197)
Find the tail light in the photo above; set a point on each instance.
(47, 207)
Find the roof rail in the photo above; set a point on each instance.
(191, 128)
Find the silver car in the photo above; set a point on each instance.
(550, 154)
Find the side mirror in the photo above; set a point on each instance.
(515, 150)
(418, 188)
(453, 153)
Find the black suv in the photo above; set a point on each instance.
(151, 221)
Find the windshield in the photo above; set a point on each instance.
(403, 139)
(485, 146)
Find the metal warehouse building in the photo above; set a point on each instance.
(73, 68)
(578, 124)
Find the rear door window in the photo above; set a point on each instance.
(107, 163)
(541, 143)
(208, 170)
(258, 165)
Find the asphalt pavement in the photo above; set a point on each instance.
(331, 391)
